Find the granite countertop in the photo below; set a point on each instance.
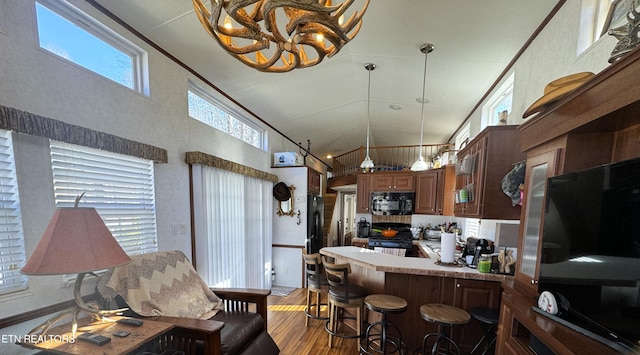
(372, 260)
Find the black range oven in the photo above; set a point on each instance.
(402, 240)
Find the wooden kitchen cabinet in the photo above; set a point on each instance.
(423, 289)
(481, 166)
(380, 182)
(314, 182)
(467, 294)
(521, 326)
(592, 125)
(363, 193)
(429, 192)
(435, 191)
(364, 243)
(539, 168)
(392, 181)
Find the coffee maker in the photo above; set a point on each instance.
(476, 247)
(363, 228)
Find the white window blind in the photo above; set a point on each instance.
(233, 217)
(12, 253)
(471, 228)
(119, 187)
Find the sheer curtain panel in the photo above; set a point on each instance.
(233, 224)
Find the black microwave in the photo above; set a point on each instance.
(392, 203)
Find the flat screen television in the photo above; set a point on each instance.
(591, 249)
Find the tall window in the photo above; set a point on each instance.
(498, 106)
(462, 138)
(119, 187)
(206, 109)
(233, 217)
(12, 252)
(593, 16)
(75, 36)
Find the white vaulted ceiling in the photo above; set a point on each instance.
(327, 104)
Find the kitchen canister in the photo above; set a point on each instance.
(447, 247)
(484, 264)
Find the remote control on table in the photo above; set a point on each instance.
(130, 321)
(121, 333)
(94, 338)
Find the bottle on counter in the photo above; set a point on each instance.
(484, 264)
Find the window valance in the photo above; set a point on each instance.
(216, 162)
(28, 123)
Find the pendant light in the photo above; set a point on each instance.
(420, 164)
(367, 163)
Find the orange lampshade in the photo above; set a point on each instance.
(76, 241)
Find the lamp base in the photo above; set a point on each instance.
(81, 306)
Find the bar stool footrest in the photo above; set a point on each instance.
(369, 339)
(436, 348)
(343, 336)
(312, 316)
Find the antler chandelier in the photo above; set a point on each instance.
(250, 31)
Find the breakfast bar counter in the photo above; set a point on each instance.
(420, 281)
(371, 260)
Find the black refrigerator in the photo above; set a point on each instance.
(315, 216)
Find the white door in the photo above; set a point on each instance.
(349, 225)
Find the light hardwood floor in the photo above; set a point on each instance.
(286, 320)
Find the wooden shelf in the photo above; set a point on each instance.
(525, 322)
(609, 102)
(596, 124)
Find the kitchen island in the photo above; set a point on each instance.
(420, 281)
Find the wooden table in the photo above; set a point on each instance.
(59, 340)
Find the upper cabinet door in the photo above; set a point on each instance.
(314, 183)
(392, 182)
(481, 166)
(363, 193)
(427, 192)
(539, 169)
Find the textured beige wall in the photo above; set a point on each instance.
(36, 81)
(550, 56)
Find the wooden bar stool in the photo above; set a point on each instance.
(382, 342)
(444, 316)
(316, 284)
(342, 295)
(489, 318)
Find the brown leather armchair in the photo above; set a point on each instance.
(160, 284)
(240, 329)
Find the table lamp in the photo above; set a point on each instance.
(76, 241)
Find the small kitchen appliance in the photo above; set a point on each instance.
(476, 247)
(364, 228)
(392, 203)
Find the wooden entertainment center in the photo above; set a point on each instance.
(598, 123)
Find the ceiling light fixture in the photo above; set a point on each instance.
(420, 164)
(367, 164)
(249, 30)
